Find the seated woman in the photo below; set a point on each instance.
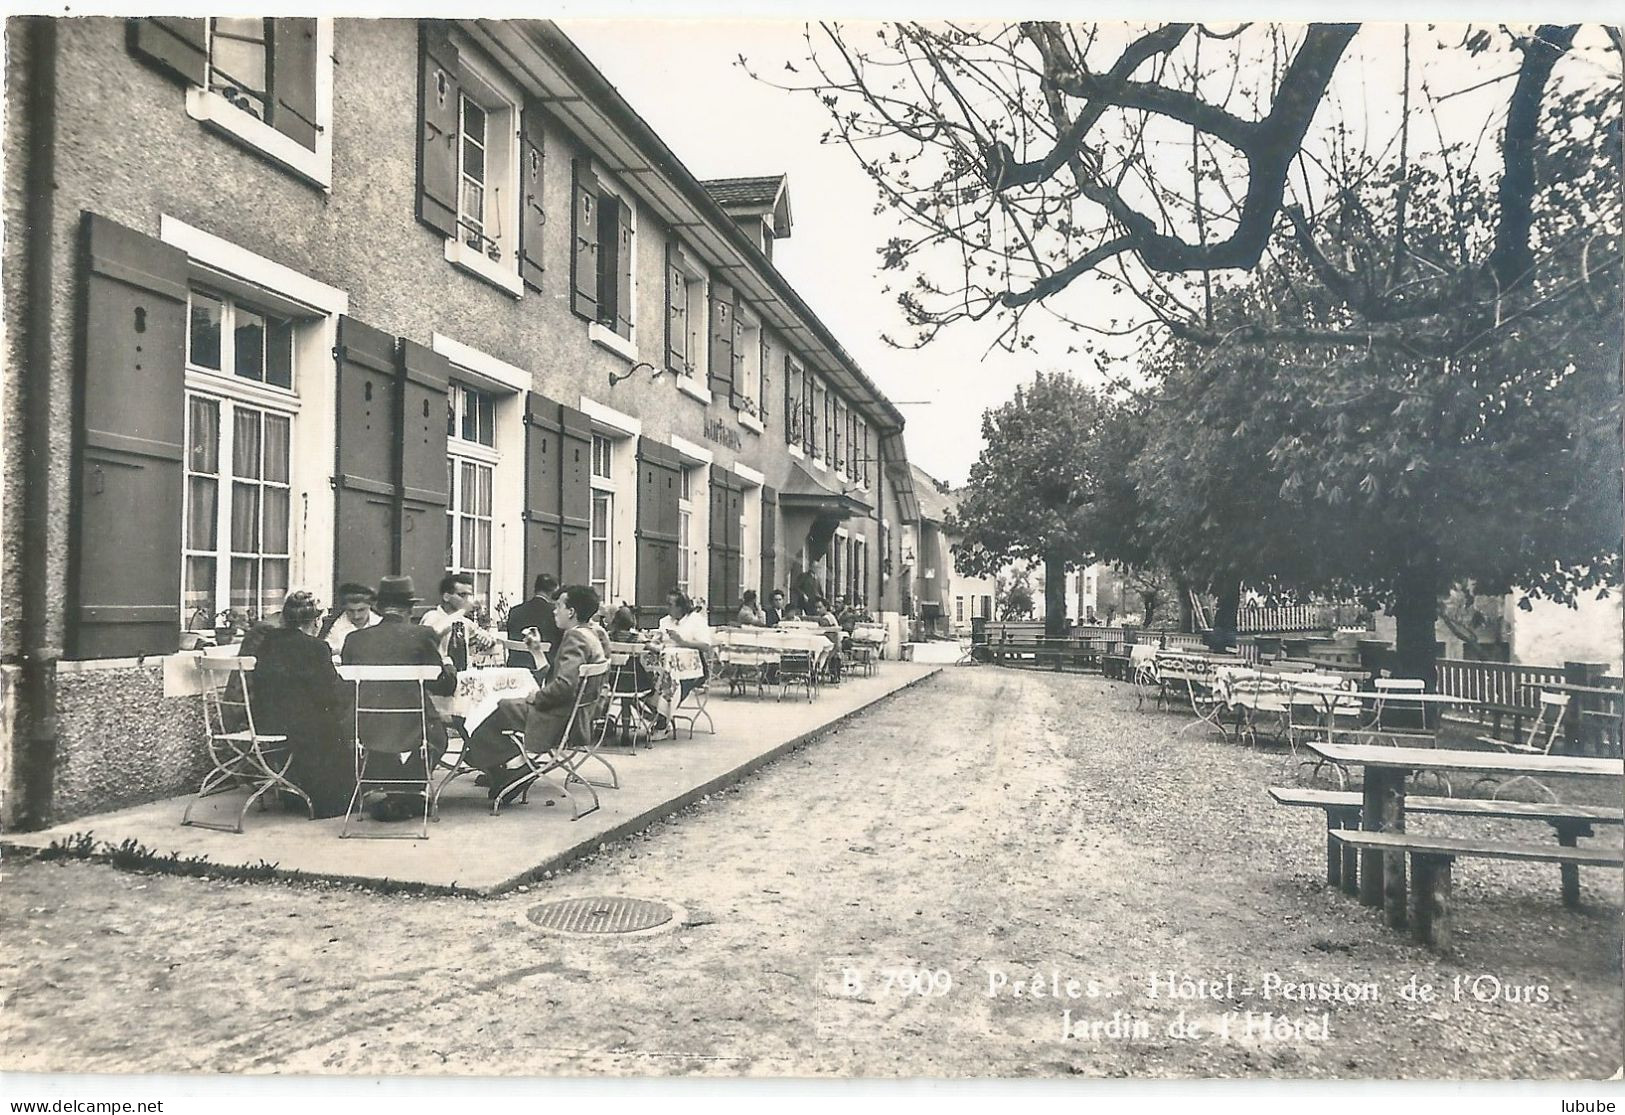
(543, 715)
(831, 631)
(750, 614)
(297, 693)
(684, 625)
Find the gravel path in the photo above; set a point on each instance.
(985, 825)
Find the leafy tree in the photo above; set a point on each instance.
(1016, 597)
(1031, 493)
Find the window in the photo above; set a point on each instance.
(685, 319)
(487, 240)
(471, 460)
(237, 498)
(603, 457)
(959, 609)
(239, 438)
(685, 529)
(836, 584)
(603, 516)
(809, 428)
(827, 405)
(239, 63)
(838, 440)
(266, 84)
(987, 607)
(615, 265)
(237, 340)
(747, 355)
(860, 571)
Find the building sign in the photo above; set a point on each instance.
(719, 431)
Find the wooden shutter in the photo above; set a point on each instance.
(584, 235)
(125, 563)
(365, 459)
(438, 113)
(770, 541)
(837, 444)
(659, 486)
(852, 444)
(763, 379)
(532, 208)
(736, 508)
(717, 550)
(676, 313)
(721, 366)
(424, 382)
(809, 427)
(575, 496)
(544, 475)
(624, 266)
(175, 47)
(293, 79)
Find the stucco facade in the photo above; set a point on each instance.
(127, 149)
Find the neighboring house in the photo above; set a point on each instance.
(304, 301)
(947, 599)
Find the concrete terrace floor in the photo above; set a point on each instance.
(468, 848)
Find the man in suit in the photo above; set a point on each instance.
(536, 612)
(396, 641)
(775, 608)
(545, 713)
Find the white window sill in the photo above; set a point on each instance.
(604, 337)
(482, 266)
(795, 451)
(687, 386)
(218, 114)
(819, 465)
(750, 422)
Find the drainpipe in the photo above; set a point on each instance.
(38, 735)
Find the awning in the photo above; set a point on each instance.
(804, 491)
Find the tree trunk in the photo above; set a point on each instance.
(1055, 596)
(1416, 611)
(1187, 614)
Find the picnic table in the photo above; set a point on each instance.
(1382, 809)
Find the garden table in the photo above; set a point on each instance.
(479, 690)
(1383, 797)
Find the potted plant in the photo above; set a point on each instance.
(229, 625)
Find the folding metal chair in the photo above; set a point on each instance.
(1142, 671)
(240, 757)
(698, 696)
(1543, 735)
(625, 708)
(389, 710)
(578, 744)
(798, 668)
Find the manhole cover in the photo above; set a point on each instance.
(601, 915)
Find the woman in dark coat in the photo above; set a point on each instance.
(297, 693)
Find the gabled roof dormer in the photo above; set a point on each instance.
(760, 206)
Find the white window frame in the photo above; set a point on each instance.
(693, 383)
(218, 114)
(750, 340)
(597, 332)
(860, 569)
(695, 462)
(483, 458)
(685, 528)
(501, 101)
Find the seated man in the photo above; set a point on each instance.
(536, 612)
(775, 608)
(543, 715)
(749, 614)
(397, 641)
(355, 613)
(452, 625)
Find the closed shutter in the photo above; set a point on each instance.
(293, 80)
(532, 208)
(543, 486)
(721, 365)
(792, 402)
(676, 313)
(126, 553)
(837, 456)
(175, 47)
(584, 235)
(736, 508)
(852, 444)
(623, 269)
(365, 465)
(770, 541)
(659, 480)
(439, 96)
(763, 402)
(809, 428)
(575, 496)
(424, 383)
(717, 556)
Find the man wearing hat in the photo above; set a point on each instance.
(396, 641)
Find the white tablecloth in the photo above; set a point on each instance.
(478, 692)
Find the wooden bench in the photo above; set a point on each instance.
(1343, 815)
(1433, 856)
